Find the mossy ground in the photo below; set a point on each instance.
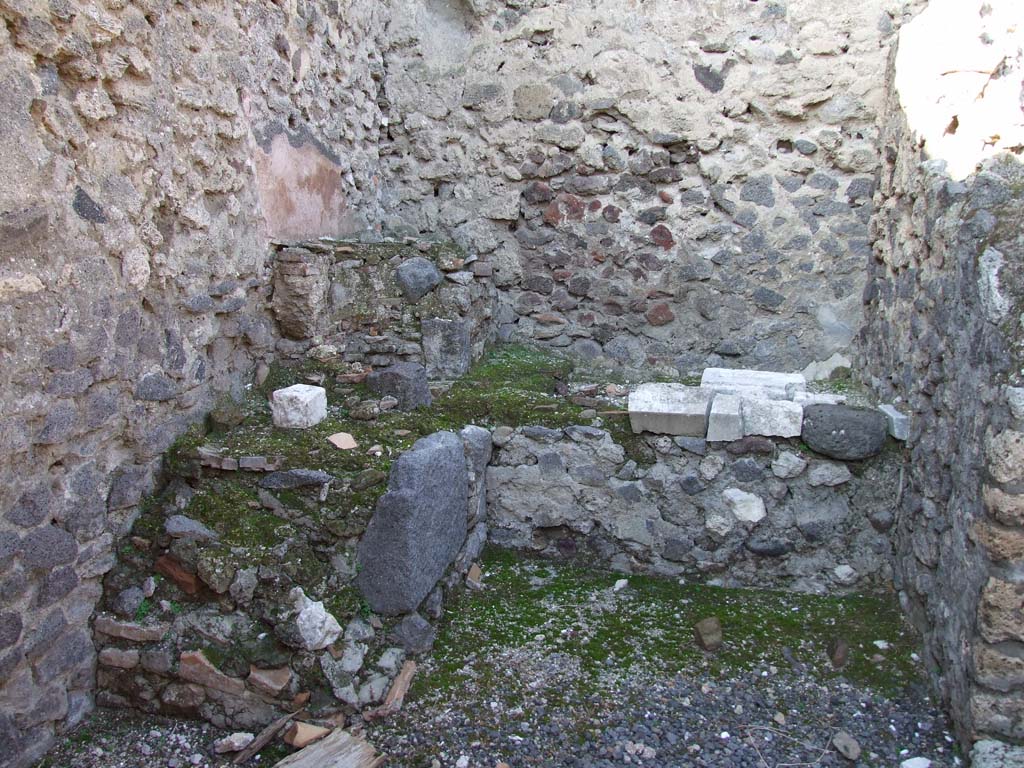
(555, 641)
(650, 623)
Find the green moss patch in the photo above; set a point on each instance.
(567, 609)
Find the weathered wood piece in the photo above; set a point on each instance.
(263, 738)
(339, 750)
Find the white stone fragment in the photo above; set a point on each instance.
(718, 522)
(236, 742)
(725, 422)
(845, 574)
(746, 507)
(916, 762)
(989, 753)
(352, 657)
(772, 418)
(670, 409)
(1015, 397)
(316, 626)
(391, 659)
(788, 465)
(768, 385)
(899, 423)
(373, 690)
(829, 474)
(299, 406)
(814, 398)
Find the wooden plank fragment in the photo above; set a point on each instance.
(396, 694)
(263, 738)
(301, 735)
(338, 750)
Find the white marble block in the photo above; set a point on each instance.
(899, 423)
(725, 423)
(299, 406)
(766, 385)
(772, 418)
(669, 409)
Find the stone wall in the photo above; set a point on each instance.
(149, 151)
(663, 186)
(943, 336)
(367, 305)
(752, 512)
(245, 593)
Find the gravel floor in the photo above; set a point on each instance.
(118, 739)
(554, 665)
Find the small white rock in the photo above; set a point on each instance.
(299, 406)
(620, 585)
(845, 574)
(316, 626)
(236, 742)
(916, 762)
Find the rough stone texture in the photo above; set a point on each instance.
(703, 200)
(299, 406)
(771, 418)
(719, 516)
(843, 432)
(340, 301)
(945, 269)
(406, 382)
(147, 161)
(416, 277)
(418, 525)
(995, 754)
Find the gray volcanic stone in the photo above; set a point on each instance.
(447, 347)
(156, 387)
(844, 432)
(10, 629)
(416, 277)
(294, 478)
(414, 633)
(48, 547)
(32, 508)
(181, 527)
(406, 382)
(128, 601)
(418, 526)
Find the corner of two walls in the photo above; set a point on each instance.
(943, 337)
(151, 151)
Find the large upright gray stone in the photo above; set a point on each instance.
(843, 431)
(416, 277)
(418, 526)
(447, 347)
(406, 382)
